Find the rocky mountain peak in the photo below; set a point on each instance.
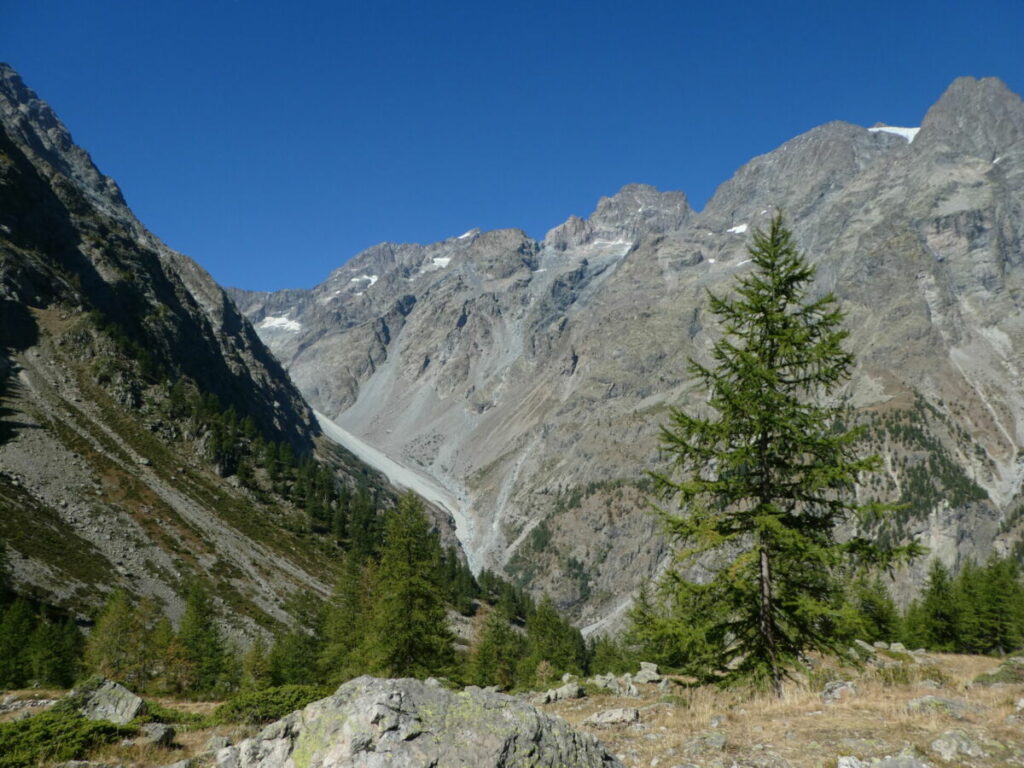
(34, 125)
(635, 210)
(980, 117)
(799, 176)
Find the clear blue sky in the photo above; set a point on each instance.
(271, 141)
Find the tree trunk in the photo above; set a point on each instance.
(767, 623)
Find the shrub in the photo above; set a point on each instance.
(52, 736)
(257, 707)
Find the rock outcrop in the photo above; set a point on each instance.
(373, 723)
(102, 699)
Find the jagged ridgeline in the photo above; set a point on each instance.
(530, 377)
(148, 440)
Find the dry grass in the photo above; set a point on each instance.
(801, 730)
(798, 730)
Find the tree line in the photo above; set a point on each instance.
(389, 614)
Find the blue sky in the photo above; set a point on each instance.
(272, 141)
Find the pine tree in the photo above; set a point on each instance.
(16, 624)
(293, 659)
(205, 658)
(495, 655)
(256, 672)
(1001, 606)
(553, 642)
(939, 615)
(114, 646)
(346, 620)
(870, 612)
(408, 633)
(767, 481)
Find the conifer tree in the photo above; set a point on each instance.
(939, 610)
(767, 481)
(496, 653)
(553, 642)
(256, 672)
(1001, 606)
(346, 619)
(408, 632)
(113, 648)
(16, 624)
(204, 654)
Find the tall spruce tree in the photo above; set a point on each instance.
(408, 632)
(766, 482)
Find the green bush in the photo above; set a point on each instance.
(51, 736)
(158, 713)
(256, 707)
(1010, 672)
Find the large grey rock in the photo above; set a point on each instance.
(618, 716)
(102, 699)
(373, 723)
(156, 735)
(954, 744)
(838, 690)
(648, 673)
(955, 708)
(609, 681)
(905, 759)
(571, 690)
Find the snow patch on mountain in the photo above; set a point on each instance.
(906, 133)
(371, 279)
(739, 229)
(282, 323)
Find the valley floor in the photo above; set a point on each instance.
(703, 727)
(706, 727)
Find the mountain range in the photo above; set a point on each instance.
(525, 381)
(519, 384)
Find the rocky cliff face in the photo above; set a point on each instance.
(530, 377)
(102, 482)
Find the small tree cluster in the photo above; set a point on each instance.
(135, 644)
(39, 646)
(981, 610)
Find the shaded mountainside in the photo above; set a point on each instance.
(144, 427)
(529, 377)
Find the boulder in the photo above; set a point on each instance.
(905, 759)
(619, 716)
(708, 741)
(953, 744)
(156, 735)
(648, 673)
(955, 708)
(373, 723)
(608, 681)
(216, 743)
(838, 690)
(866, 648)
(102, 699)
(567, 691)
